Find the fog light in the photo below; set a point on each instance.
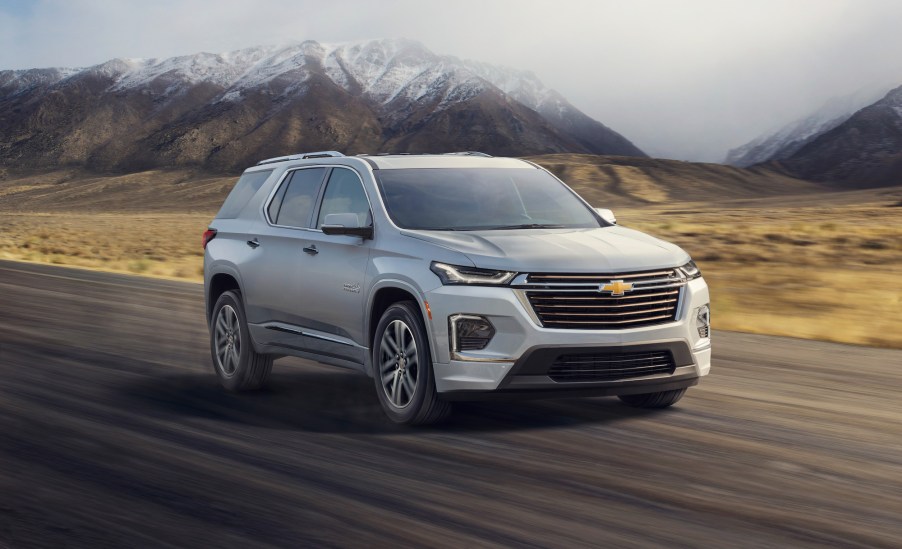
(703, 321)
(470, 332)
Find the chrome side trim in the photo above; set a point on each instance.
(527, 306)
(463, 357)
(680, 304)
(307, 332)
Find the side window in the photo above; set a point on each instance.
(276, 202)
(297, 200)
(246, 187)
(344, 194)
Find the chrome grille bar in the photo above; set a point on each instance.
(577, 301)
(592, 277)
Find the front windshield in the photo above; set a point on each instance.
(471, 199)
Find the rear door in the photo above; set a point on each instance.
(272, 277)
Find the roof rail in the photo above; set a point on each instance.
(301, 156)
(462, 153)
(470, 153)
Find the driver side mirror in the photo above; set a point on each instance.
(607, 215)
(345, 223)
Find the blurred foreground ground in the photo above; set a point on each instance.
(115, 433)
(820, 264)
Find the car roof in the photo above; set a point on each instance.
(405, 161)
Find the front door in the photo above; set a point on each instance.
(333, 272)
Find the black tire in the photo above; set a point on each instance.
(653, 400)
(240, 367)
(395, 373)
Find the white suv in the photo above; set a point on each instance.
(447, 277)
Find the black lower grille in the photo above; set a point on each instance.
(610, 366)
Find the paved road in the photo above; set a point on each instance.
(114, 432)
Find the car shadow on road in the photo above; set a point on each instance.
(335, 401)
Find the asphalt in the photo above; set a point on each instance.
(115, 432)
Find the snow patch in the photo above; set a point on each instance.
(790, 138)
(385, 71)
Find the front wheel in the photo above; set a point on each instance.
(662, 399)
(402, 368)
(238, 366)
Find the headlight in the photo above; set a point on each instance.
(690, 270)
(454, 274)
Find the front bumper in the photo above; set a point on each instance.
(517, 360)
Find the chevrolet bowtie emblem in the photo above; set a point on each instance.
(616, 287)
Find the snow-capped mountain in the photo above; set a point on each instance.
(228, 110)
(786, 141)
(863, 151)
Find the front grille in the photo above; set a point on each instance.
(610, 366)
(576, 301)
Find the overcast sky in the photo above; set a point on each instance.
(681, 79)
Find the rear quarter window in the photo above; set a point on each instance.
(247, 186)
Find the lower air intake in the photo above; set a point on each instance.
(610, 366)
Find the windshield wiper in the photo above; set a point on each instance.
(527, 226)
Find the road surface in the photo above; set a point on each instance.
(114, 432)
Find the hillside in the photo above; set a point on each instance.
(620, 180)
(864, 151)
(602, 180)
(786, 141)
(222, 112)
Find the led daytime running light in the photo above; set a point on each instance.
(452, 274)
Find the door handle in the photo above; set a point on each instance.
(311, 249)
(253, 243)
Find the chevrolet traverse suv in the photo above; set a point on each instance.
(447, 277)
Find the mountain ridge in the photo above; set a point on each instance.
(222, 111)
(863, 151)
(784, 142)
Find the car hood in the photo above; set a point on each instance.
(604, 249)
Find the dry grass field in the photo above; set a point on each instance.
(794, 260)
(815, 272)
(167, 245)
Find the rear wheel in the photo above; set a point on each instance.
(402, 368)
(238, 366)
(653, 400)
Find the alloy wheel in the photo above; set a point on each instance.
(398, 363)
(227, 340)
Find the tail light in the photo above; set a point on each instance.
(209, 235)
